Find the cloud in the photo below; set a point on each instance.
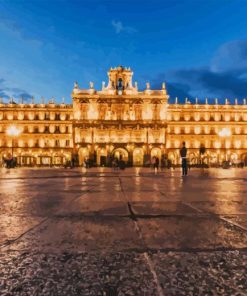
(179, 90)
(224, 77)
(231, 56)
(7, 92)
(206, 83)
(119, 27)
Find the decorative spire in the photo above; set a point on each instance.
(32, 100)
(244, 100)
(136, 85)
(226, 101)
(186, 100)
(103, 85)
(206, 101)
(76, 84)
(216, 101)
(236, 101)
(176, 100)
(63, 99)
(91, 85)
(163, 85)
(196, 101)
(42, 100)
(147, 85)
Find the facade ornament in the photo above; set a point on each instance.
(244, 101)
(63, 100)
(196, 101)
(103, 85)
(236, 101)
(136, 85)
(216, 101)
(42, 100)
(163, 85)
(76, 84)
(206, 101)
(176, 100)
(147, 85)
(226, 101)
(91, 85)
(32, 100)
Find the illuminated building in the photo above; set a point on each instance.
(121, 121)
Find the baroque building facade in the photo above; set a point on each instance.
(121, 121)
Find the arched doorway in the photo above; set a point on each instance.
(121, 154)
(213, 159)
(58, 159)
(171, 158)
(83, 155)
(156, 152)
(101, 157)
(138, 157)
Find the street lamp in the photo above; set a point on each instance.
(225, 133)
(13, 132)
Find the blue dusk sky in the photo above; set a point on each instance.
(198, 47)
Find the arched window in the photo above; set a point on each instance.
(120, 84)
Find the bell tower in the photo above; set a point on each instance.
(120, 79)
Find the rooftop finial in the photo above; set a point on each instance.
(76, 84)
(91, 85)
(163, 85)
(236, 101)
(216, 101)
(147, 85)
(42, 100)
(176, 100)
(196, 101)
(244, 100)
(206, 101)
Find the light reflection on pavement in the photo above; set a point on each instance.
(126, 232)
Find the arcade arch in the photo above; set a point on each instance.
(138, 157)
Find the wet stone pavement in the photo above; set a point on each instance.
(104, 232)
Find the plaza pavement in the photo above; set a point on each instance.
(103, 232)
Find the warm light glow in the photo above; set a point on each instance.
(197, 130)
(92, 112)
(147, 114)
(225, 132)
(177, 130)
(217, 144)
(237, 144)
(163, 112)
(77, 115)
(13, 131)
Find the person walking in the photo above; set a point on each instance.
(183, 154)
